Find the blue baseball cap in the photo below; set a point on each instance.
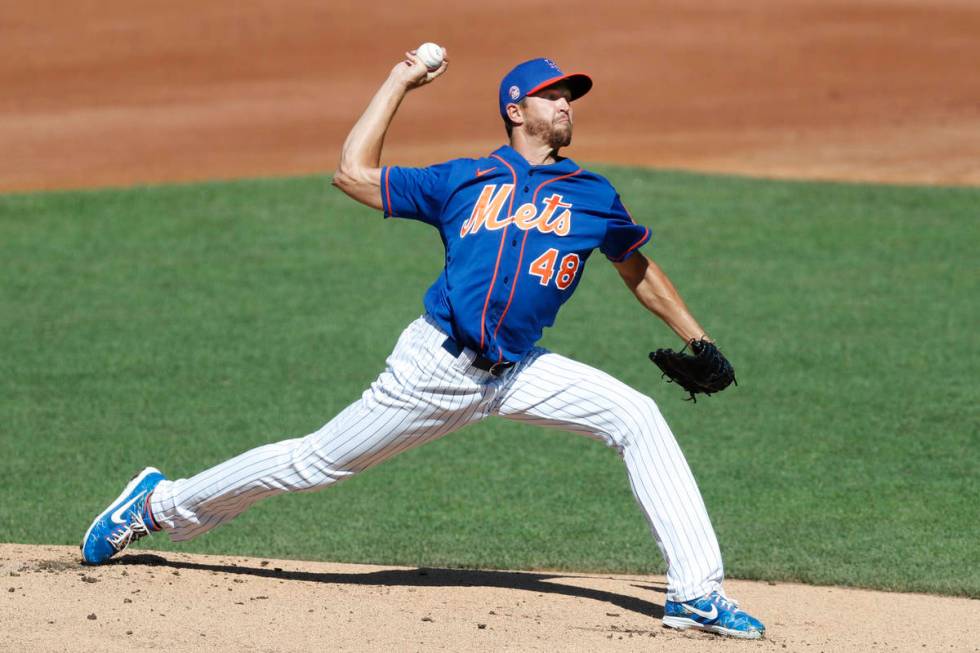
(532, 76)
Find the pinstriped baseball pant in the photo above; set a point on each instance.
(424, 393)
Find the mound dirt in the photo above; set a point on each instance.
(116, 92)
(175, 602)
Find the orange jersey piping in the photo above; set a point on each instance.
(391, 213)
(520, 256)
(646, 232)
(500, 251)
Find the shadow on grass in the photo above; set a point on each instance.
(425, 577)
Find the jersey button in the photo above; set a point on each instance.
(506, 279)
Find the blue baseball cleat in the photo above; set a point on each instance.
(123, 522)
(714, 613)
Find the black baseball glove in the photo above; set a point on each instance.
(707, 370)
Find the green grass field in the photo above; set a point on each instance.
(178, 326)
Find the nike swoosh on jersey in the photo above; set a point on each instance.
(117, 514)
(710, 616)
(480, 173)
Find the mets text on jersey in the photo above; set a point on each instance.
(486, 213)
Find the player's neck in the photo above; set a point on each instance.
(534, 152)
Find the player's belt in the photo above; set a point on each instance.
(481, 362)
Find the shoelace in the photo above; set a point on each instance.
(136, 529)
(727, 603)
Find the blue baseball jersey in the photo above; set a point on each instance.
(517, 238)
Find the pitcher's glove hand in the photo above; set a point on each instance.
(707, 370)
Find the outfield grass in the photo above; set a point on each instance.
(177, 326)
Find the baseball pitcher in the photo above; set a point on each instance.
(519, 225)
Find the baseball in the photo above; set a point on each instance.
(430, 54)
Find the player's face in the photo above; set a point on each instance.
(548, 115)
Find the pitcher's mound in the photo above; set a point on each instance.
(178, 602)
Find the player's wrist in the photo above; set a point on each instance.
(696, 336)
(407, 75)
(396, 84)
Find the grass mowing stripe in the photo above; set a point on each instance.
(180, 325)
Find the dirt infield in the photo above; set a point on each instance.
(118, 92)
(177, 602)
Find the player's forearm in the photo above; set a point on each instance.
(362, 149)
(653, 288)
(358, 173)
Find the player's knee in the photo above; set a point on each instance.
(641, 419)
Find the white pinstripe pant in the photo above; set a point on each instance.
(424, 393)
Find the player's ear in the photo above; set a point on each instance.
(515, 113)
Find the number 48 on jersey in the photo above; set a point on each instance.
(544, 268)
